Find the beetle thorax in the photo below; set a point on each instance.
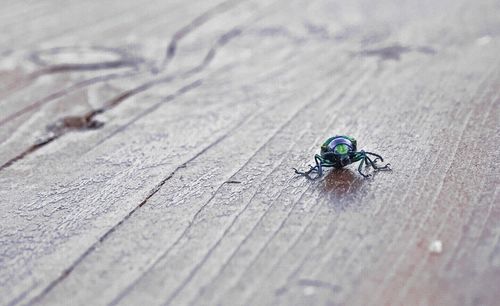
(340, 146)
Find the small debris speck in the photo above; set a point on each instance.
(484, 40)
(436, 247)
(309, 290)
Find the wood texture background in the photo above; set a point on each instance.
(146, 151)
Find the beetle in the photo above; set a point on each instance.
(339, 151)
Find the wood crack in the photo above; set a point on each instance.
(67, 271)
(192, 26)
(87, 121)
(192, 273)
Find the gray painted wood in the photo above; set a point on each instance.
(146, 153)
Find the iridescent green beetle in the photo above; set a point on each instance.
(340, 151)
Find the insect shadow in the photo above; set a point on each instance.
(342, 182)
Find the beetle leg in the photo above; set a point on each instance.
(374, 164)
(378, 157)
(311, 169)
(386, 167)
(370, 162)
(318, 168)
(361, 167)
(378, 168)
(306, 173)
(318, 165)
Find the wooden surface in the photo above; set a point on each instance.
(146, 152)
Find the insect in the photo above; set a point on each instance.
(340, 151)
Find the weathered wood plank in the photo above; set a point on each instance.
(204, 167)
(53, 98)
(206, 106)
(185, 194)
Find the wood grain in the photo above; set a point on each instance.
(146, 152)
